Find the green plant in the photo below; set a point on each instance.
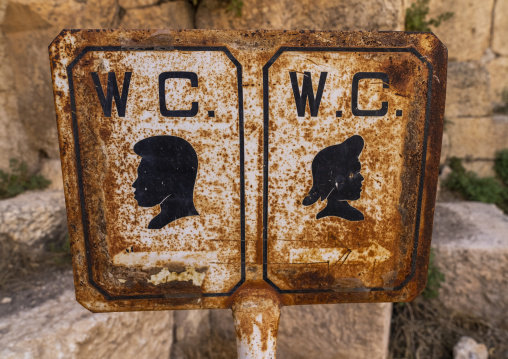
(474, 188)
(471, 186)
(434, 279)
(236, 6)
(501, 165)
(18, 180)
(416, 17)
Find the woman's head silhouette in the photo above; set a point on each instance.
(336, 178)
(166, 176)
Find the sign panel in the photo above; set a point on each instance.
(334, 197)
(198, 164)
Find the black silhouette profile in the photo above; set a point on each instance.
(166, 176)
(336, 178)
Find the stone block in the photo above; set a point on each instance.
(6, 74)
(3, 7)
(445, 148)
(467, 33)
(62, 328)
(223, 336)
(192, 334)
(482, 167)
(339, 331)
(34, 218)
(171, 15)
(470, 241)
(129, 4)
(14, 142)
(306, 14)
(36, 110)
(29, 27)
(34, 15)
(498, 70)
(204, 334)
(477, 138)
(52, 170)
(352, 331)
(500, 28)
(467, 90)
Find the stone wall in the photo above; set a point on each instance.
(27, 117)
(27, 28)
(61, 328)
(338, 331)
(471, 250)
(303, 15)
(475, 36)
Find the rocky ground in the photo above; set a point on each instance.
(470, 243)
(424, 329)
(39, 317)
(34, 254)
(34, 287)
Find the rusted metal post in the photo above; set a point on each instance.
(256, 312)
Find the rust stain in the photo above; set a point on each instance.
(327, 260)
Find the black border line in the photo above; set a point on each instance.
(84, 214)
(265, 162)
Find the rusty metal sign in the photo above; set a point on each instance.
(203, 165)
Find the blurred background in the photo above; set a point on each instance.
(461, 314)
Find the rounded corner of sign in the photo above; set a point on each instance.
(413, 294)
(416, 290)
(435, 38)
(63, 42)
(437, 48)
(58, 38)
(88, 304)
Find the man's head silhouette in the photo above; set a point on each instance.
(166, 176)
(337, 179)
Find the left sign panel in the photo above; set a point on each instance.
(157, 139)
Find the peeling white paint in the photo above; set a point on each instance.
(152, 259)
(333, 255)
(165, 276)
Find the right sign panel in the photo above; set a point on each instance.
(345, 137)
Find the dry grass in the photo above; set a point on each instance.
(423, 329)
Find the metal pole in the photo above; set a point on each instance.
(256, 313)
